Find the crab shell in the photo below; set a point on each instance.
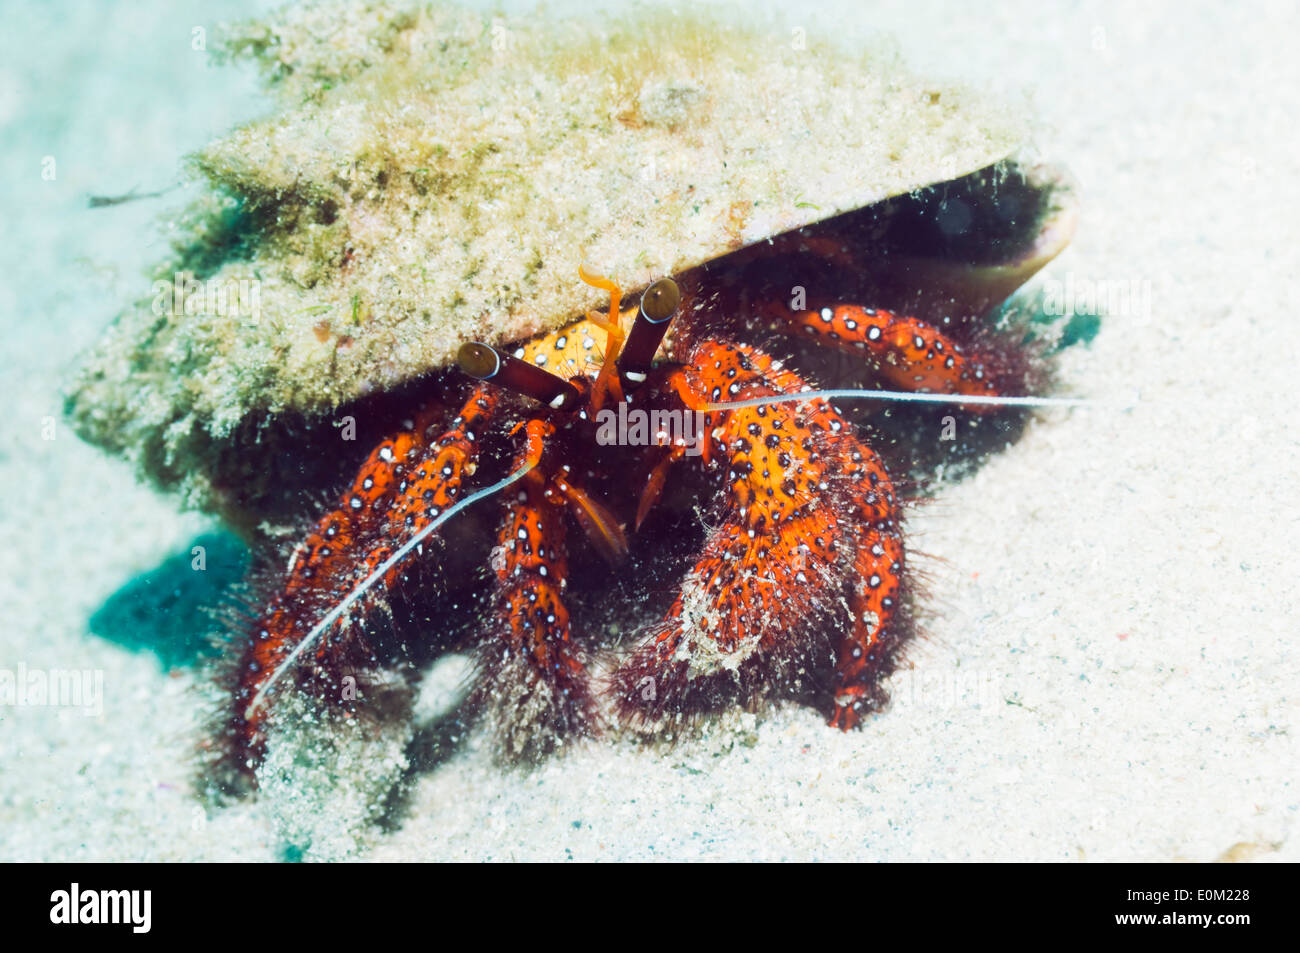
(435, 176)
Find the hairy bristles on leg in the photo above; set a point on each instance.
(353, 597)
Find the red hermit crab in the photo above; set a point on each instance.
(632, 517)
(800, 583)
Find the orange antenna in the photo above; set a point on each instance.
(607, 380)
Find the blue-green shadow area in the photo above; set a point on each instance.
(1063, 330)
(169, 610)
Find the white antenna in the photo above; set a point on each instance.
(910, 397)
(355, 595)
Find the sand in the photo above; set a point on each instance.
(1109, 670)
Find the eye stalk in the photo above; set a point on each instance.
(488, 364)
(658, 305)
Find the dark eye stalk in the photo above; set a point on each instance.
(488, 364)
(658, 305)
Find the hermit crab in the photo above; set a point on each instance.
(576, 290)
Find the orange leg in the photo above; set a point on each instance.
(765, 602)
(867, 650)
(533, 681)
(906, 353)
(405, 480)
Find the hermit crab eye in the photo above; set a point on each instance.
(478, 360)
(658, 305)
(488, 364)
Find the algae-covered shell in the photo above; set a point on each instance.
(435, 175)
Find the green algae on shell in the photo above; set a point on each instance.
(435, 175)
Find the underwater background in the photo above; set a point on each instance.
(1110, 670)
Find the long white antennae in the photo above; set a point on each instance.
(366, 584)
(908, 397)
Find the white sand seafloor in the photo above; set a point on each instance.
(1109, 668)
